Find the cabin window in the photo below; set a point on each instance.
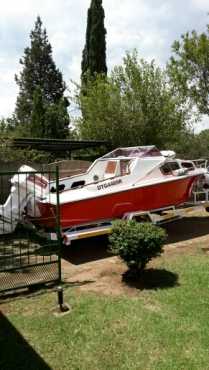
(165, 169)
(78, 184)
(188, 165)
(124, 167)
(110, 168)
(61, 187)
(169, 167)
(117, 168)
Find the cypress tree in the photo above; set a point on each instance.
(94, 53)
(37, 115)
(40, 83)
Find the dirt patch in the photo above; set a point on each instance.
(103, 276)
(90, 267)
(107, 277)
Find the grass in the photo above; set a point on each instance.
(162, 329)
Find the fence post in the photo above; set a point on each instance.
(58, 225)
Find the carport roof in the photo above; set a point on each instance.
(56, 145)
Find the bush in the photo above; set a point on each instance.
(136, 243)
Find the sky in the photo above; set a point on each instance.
(150, 26)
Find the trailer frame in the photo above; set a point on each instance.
(199, 200)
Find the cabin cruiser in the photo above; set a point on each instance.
(124, 180)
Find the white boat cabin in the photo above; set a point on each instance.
(130, 165)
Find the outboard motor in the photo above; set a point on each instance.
(27, 186)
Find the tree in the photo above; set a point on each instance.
(134, 106)
(40, 83)
(56, 120)
(7, 127)
(189, 68)
(50, 120)
(3, 127)
(38, 114)
(94, 53)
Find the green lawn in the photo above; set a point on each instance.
(165, 328)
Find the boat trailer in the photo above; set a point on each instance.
(199, 201)
(25, 183)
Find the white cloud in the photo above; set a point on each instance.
(201, 5)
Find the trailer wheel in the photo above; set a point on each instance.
(207, 209)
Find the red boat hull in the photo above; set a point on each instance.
(114, 205)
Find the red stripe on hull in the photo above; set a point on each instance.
(116, 204)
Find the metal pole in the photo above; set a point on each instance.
(58, 227)
(60, 297)
(63, 307)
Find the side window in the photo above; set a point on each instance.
(188, 165)
(77, 184)
(174, 166)
(124, 167)
(169, 167)
(165, 169)
(110, 167)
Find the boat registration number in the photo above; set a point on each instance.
(108, 184)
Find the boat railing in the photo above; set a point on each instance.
(201, 162)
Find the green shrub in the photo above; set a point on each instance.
(136, 243)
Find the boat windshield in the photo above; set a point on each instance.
(138, 151)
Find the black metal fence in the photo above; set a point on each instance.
(28, 256)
